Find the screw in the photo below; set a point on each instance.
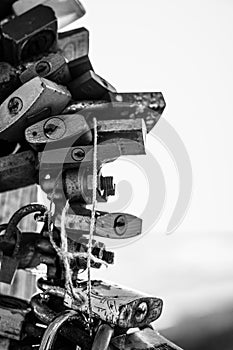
(120, 225)
(54, 128)
(78, 154)
(43, 68)
(15, 105)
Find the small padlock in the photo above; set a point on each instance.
(90, 86)
(29, 35)
(79, 66)
(74, 43)
(52, 67)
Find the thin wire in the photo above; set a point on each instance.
(92, 223)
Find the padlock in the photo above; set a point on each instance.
(146, 105)
(66, 11)
(118, 305)
(9, 264)
(52, 67)
(76, 130)
(56, 130)
(74, 156)
(108, 225)
(90, 86)
(21, 108)
(9, 80)
(74, 43)
(31, 34)
(79, 66)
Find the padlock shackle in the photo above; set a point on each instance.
(20, 214)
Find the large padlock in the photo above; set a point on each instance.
(22, 108)
(31, 34)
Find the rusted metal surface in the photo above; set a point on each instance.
(146, 105)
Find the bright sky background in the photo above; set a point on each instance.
(184, 49)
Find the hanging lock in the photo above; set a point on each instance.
(22, 107)
(90, 86)
(59, 128)
(73, 156)
(52, 67)
(31, 34)
(66, 11)
(75, 127)
(107, 225)
(117, 305)
(74, 43)
(146, 105)
(9, 264)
